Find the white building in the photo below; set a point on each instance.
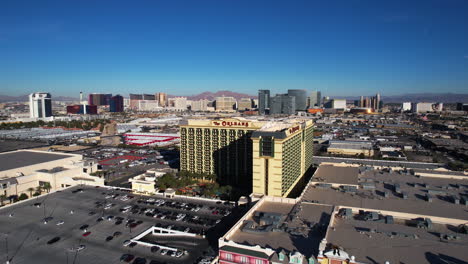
(179, 103)
(126, 103)
(406, 106)
(40, 105)
(148, 105)
(422, 107)
(200, 105)
(339, 103)
(226, 103)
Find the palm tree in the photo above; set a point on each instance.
(47, 186)
(39, 189)
(30, 190)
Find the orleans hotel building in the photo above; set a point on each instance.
(264, 157)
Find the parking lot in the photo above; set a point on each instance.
(97, 225)
(122, 164)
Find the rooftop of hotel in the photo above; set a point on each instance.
(295, 227)
(398, 242)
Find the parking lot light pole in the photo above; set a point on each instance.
(6, 247)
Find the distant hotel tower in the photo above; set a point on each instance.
(263, 101)
(40, 105)
(116, 104)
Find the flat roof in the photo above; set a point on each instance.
(300, 217)
(337, 174)
(23, 158)
(373, 242)
(415, 187)
(371, 162)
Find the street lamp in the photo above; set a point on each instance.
(6, 247)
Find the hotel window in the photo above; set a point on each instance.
(267, 146)
(258, 261)
(244, 259)
(228, 256)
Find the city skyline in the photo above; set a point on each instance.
(342, 49)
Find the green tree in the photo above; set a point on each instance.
(47, 186)
(39, 189)
(23, 196)
(2, 199)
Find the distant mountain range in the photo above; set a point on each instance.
(427, 97)
(211, 95)
(416, 97)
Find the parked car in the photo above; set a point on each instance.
(154, 249)
(127, 258)
(139, 261)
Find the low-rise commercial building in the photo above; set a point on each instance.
(351, 148)
(358, 215)
(23, 170)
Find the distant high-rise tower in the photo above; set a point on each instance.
(40, 105)
(263, 101)
(300, 98)
(378, 102)
(315, 99)
(99, 99)
(283, 104)
(162, 99)
(116, 104)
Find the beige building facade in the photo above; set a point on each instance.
(25, 169)
(282, 154)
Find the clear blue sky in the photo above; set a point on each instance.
(347, 47)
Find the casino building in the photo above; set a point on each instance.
(266, 157)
